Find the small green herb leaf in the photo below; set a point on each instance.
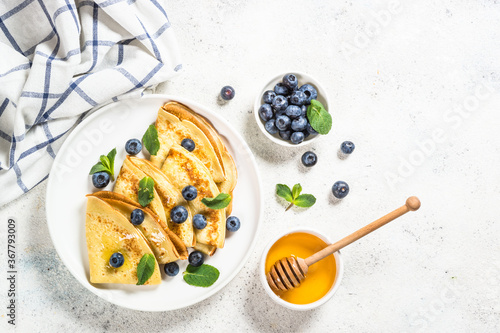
(305, 200)
(318, 117)
(202, 276)
(296, 190)
(294, 197)
(284, 191)
(106, 164)
(146, 191)
(145, 268)
(150, 140)
(219, 202)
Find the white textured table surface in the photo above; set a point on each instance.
(398, 74)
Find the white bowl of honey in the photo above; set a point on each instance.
(323, 278)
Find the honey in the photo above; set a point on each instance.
(321, 275)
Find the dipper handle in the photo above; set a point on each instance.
(412, 204)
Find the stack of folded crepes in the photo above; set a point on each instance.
(209, 168)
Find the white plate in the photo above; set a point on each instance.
(69, 182)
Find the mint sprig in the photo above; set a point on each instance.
(145, 268)
(150, 140)
(222, 200)
(202, 276)
(319, 118)
(146, 192)
(294, 197)
(106, 164)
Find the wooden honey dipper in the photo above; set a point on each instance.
(288, 273)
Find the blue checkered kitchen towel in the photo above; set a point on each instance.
(61, 60)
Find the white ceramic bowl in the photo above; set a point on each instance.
(301, 307)
(269, 85)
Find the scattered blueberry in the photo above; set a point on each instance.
(347, 147)
(271, 127)
(188, 144)
(309, 159)
(171, 269)
(268, 96)
(285, 135)
(290, 82)
(310, 92)
(199, 221)
(196, 258)
(101, 179)
(293, 111)
(233, 223)
(283, 122)
(133, 147)
(265, 112)
(116, 260)
(340, 189)
(137, 216)
(298, 98)
(299, 124)
(303, 110)
(179, 214)
(297, 137)
(189, 192)
(227, 93)
(310, 129)
(280, 103)
(280, 89)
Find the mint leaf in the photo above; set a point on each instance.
(284, 191)
(296, 190)
(106, 164)
(305, 200)
(145, 268)
(202, 276)
(219, 202)
(146, 191)
(150, 140)
(319, 118)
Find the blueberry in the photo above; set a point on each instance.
(280, 103)
(268, 96)
(347, 147)
(303, 110)
(290, 81)
(297, 137)
(283, 122)
(179, 214)
(233, 223)
(340, 189)
(298, 98)
(196, 258)
(227, 93)
(271, 127)
(280, 113)
(310, 129)
(100, 179)
(293, 111)
(280, 89)
(306, 134)
(133, 147)
(188, 144)
(285, 135)
(309, 159)
(299, 124)
(116, 260)
(310, 92)
(189, 192)
(137, 216)
(265, 112)
(171, 269)
(199, 221)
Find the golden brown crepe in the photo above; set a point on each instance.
(107, 231)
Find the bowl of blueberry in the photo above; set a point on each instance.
(292, 109)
